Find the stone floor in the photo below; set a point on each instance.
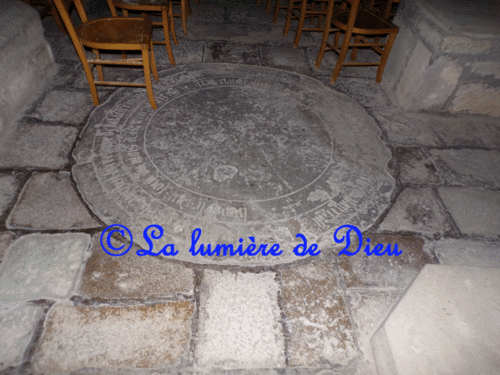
(67, 307)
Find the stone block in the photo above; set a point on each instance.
(415, 166)
(114, 337)
(285, 58)
(42, 266)
(70, 107)
(465, 252)
(9, 185)
(465, 45)
(476, 98)
(6, 239)
(231, 53)
(486, 68)
(448, 322)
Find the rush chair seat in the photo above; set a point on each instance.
(163, 7)
(122, 34)
(358, 25)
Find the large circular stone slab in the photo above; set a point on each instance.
(244, 153)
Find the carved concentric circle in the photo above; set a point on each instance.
(237, 151)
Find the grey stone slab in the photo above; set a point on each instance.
(38, 146)
(471, 168)
(205, 13)
(317, 319)
(6, 239)
(133, 276)
(49, 201)
(9, 186)
(239, 324)
(465, 252)
(231, 53)
(366, 92)
(475, 211)
(253, 16)
(285, 58)
(114, 337)
(361, 271)
(42, 266)
(18, 321)
(476, 98)
(415, 166)
(446, 323)
(420, 211)
(184, 53)
(71, 107)
(66, 73)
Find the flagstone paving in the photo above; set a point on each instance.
(66, 306)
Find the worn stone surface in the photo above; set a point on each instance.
(239, 324)
(285, 58)
(418, 210)
(279, 154)
(416, 166)
(463, 44)
(184, 53)
(111, 337)
(38, 146)
(70, 107)
(42, 266)
(6, 239)
(317, 318)
(9, 185)
(366, 92)
(475, 211)
(18, 321)
(465, 252)
(486, 68)
(394, 272)
(131, 276)
(476, 98)
(232, 53)
(447, 322)
(49, 201)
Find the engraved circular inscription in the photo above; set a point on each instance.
(246, 154)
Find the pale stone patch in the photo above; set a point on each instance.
(466, 252)
(240, 324)
(477, 98)
(486, 68)
(463, 44)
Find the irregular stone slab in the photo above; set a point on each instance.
(285, 58)
(184, 53)
(476, 98)
(9, 185)
(70, 107)
(276, 155)
(18, 321)
(367, 93)
(415, 166)
(108, 337)
(448, 322)
(49, 201)
(42, 266)
(131, 276)
(474, 211)
(465, 252)
(6, 239)
(38, 146)
(317, 318)
(232, 53)
(473, 168)
(239, 324)
(418, 210)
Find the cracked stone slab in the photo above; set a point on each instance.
(465, 252)
(392, 272)
(418, 210)
(277, 154)
(317, 319)
(285, 58)
(415, 166)
(231, 53)
(42, 266)
(131, 276)
(70, 107)
(114, 337)
(49, 201)
(446, 323)
(9, 185)
(239, 324)
(38, 146)
(18, 321)
(471, 168)
(475, 211)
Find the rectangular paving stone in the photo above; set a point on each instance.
(239, 324)
(112, 337)
(42, 266)
(18, 321)
(293, 59)
(475, 211)
(465, 252)
(49, 201)
(317, 318)
(38, 146)
(132, 276)
(231, 53)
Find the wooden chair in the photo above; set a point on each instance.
(163, 7)
(185, 11)
(277, 9)
(360, 25)
(122, 34)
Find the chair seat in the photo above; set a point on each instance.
(116, 33)
(366, 23)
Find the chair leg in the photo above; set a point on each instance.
(90, 79)
(166, 33)
(147, 76)
(326, 33)
(154, 70)
(298, 32)
(354, 51)
(268, 6)
(172, 26)
(184, 16)
(288, 17)
(342, 56)
(383, 60)
(100, 73)
(188, 8)
(276, 11)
